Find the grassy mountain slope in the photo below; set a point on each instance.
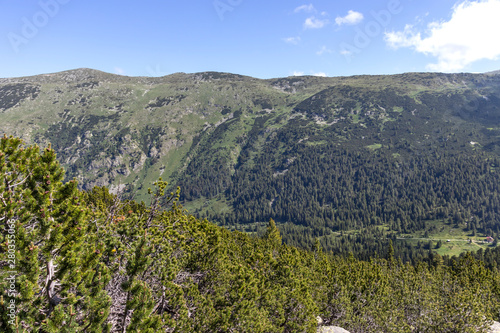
(328, 155)
(114, 130)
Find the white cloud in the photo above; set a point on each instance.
(406, 38)
(351, 18)
(323, 50)
(469, 36)
(314, 23)
(305, 8)
(296, 73)
(292, 40)
(321, 74)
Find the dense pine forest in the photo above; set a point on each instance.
(317, 187)
(330, 191)
(90, 261)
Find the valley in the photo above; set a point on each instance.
(351, 161)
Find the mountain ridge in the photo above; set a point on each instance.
(288, 92)
(81, 74)
(234, 143)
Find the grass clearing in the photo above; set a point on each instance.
(205, 206)
(374, 146)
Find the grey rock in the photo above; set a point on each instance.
(495, 327)
(331, 329)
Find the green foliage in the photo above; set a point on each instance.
(56, 260)
(272, 235)
(105, 264)
(327, 190)
(328, 157)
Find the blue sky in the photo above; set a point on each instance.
(264, 39)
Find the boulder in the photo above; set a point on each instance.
(495, 327)
(331, 329)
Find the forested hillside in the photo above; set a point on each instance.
(352, 161)
(90, 261)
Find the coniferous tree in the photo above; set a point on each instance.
(272, 235)
(59, 280)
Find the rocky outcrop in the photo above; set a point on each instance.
(495, 327)
(331, 329)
